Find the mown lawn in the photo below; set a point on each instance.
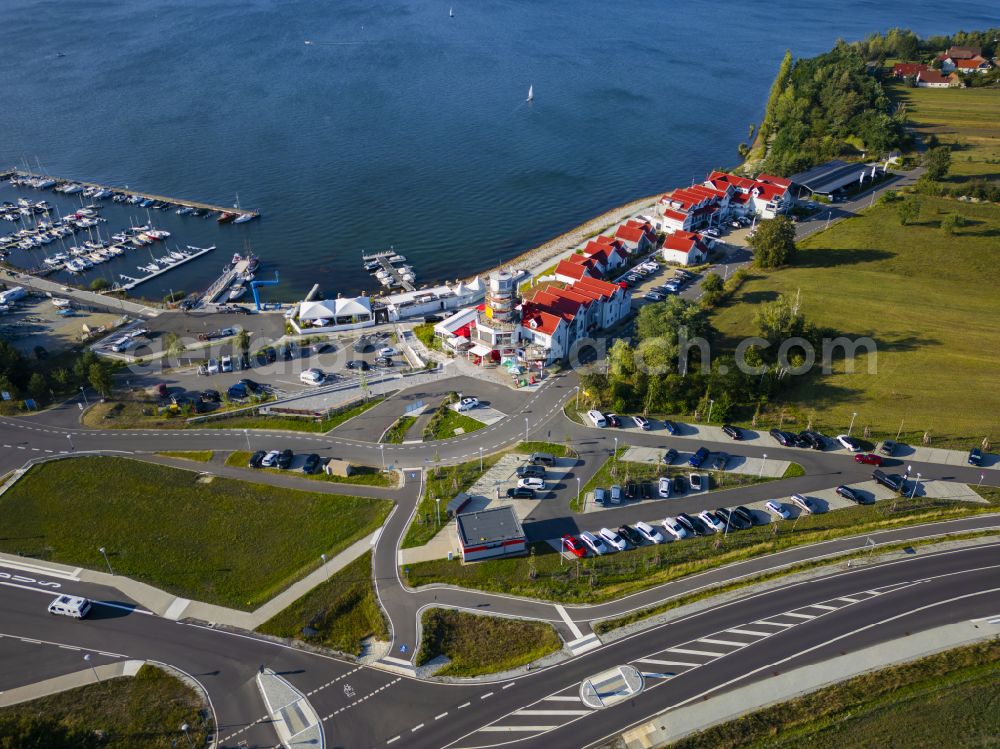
(338, 614)
(477, 644)
(218, 540)
(946, 700)
(360, 476)
(145, 710)
(928, 300)
(967, 119)
(202, 456)
(444, 423)
(395, 434)
(546, 574)
(289, 423)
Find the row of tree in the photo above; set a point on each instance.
(903, 44)
(21, 377)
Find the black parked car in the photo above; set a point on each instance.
(521, 492)
(854, 496)
(237, 391)
(889, 480)
(630, 534)
(358, 364)
(975, 457)
(647, 490)
(211, 396)
(670, 456)
(678, 485)
(733, 432)
(690, 524)
(285, 458)
(733, 519)
(256, 458)
(530, 471)
(670, 426)
(785, 439)
(747, 514)
(251, 386)
(312, 463)
(630, 490)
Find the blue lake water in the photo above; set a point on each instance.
(398, 125)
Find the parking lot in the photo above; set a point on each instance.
(35, 321)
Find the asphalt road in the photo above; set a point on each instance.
(922, 590)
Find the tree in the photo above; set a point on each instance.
(62, 378)
(773, 243)
(937, 161)
(779, 320)
(951, 223)
(711, 282)
(242, 341)
(99, 284)
(908, 210)
(668, 319)
(99, 378)
(172, 344)
(38, 388)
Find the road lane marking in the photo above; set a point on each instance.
(562, 698)
(657, 662)
(823, 607)
(749, 632)
(467, 704)
(731, 643)
(552, 712)
(438, 717)
(569, 622)
(798, 616)
(484, 696)
(783, 625)
(850, 600)
(416, 728)
(394, 738)
(508, 686)
(511, 729)
(689, 651)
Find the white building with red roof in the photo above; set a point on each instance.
(636, 236)
(684, 248)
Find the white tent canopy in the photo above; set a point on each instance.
(334, 308)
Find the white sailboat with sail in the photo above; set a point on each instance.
(531, 93)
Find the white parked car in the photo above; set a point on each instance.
(312, 377)
(122, 344)
(711, 521)
(594, 543)
(664, 486)
(642, 423)
(226, 364)
(597, 418)
(613, 539)
(388, 351)
(271, 459)
(777, 509)
(801, 502)
(698, 482)
(213, 366)
(531, 482)
(849, 442)
(467, 404)
(650, 533)
(674, 528)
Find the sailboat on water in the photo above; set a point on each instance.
(451, 12)
(531, 94)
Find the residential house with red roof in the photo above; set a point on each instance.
(934, 79)
(973, 65)
(907, 69)
(963, 60)
(635, 236)
(684, 248)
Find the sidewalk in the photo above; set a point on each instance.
(69, 681)
(293, 718)
(682, 721)
(42, 286)
(169, 606)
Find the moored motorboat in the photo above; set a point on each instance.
(225, 218)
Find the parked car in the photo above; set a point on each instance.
(322, 348)
(851, 443)
(597, 418)
(888, 447)
(528, 471)
(719, 461)
(689, 524)
(670, 426)
(698, 482)
(601, 496)
(531, 482)
(210, 396)
(650, 533)
(312, 463)
(237, 391)
(226, 364)
(801, 502)
(670, 456)
(731, 519)
(785, 439)
(889, 480)
(213, 366)
(574, 546)
(613, 540)
(674, 528)
(251, 386)
(360, 364)
(387, 351)
(630, 490)
(467, 404)
(285, 458)
(870, 459)
(653, 296)
(711, 521)
(813, 439)
(595, 543)
(542, 459)
(746, 514)
(270, 459)
(312, 377)
(256, 459)
(612, 420)
(699, 457)
(616, 495)
(854, 496)
(646, 490)
(778, 510)
(663, 488)
(384, 361)
(521, 492)
(642, 423)
(630, 534)
(678, 485)
(975, 457)
(733, 432)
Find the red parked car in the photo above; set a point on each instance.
(574, 546)
(868, 458)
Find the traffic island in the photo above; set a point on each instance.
(294, 719)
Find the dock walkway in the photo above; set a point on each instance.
(382, 258)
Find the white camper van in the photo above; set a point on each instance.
(73, 606)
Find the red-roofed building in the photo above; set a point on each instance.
(973, 65)
(635, 236)
(567, 271)
(610, 253)
(934, 79)
(907, 69)
(684, 248)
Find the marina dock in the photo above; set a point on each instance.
(180, 202)
(393, 276)
(193, 252)
(222, 284)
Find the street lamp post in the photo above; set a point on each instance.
(437, 502)
(853, 417)
(577, 388)
(246, 433)
(326, 570)
(525, 428)
(87, 659)
(104, 553)
(616, 451)
(900, 430)
(916, 486)
(84, 393)
(711, 405)
(382, 448)
(70, 438)
(578, 493)
(184, 729)
(480, 458)
(762, 462)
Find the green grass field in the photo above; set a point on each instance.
(446, 421)
(145, 710)
(946, 700)
(228, 542)
(967, 119)
(548, 575)
(202, 456)
(479, 644)
(361, 475)
(395, 434)
(926, 298)
(342, 611)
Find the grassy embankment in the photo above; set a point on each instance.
(395, 434)
(477, 644)
(145, 710)
(946, 700)
(927, 299)
(202, 456)
(621, 472)
(227, 542)
(447, 481)
(341, 612)
(137, 415)
(548, 575)
(446, 420)
(361, 475)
